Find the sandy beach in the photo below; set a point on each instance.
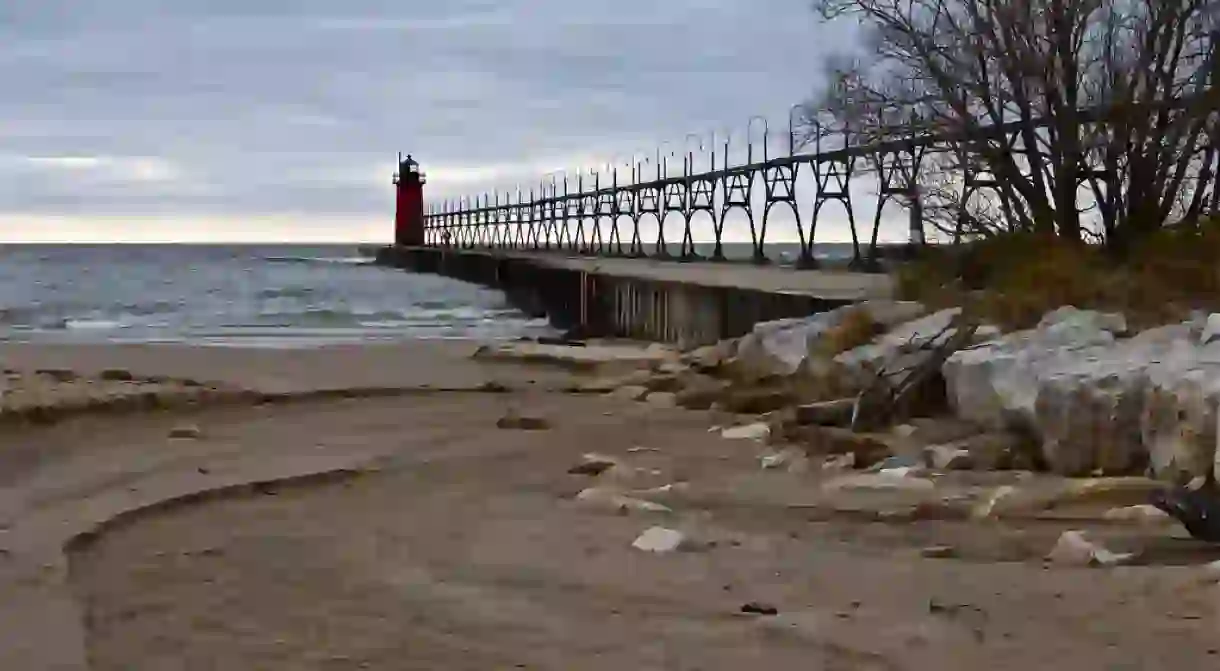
(273, 523)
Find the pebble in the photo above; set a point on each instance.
(987, 508)
(759, 431)
(1074, 549)
(781, 459)
(659, 540)
(662, 399)
(522, 423)
(185, 432)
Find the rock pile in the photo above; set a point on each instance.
(1077, 395)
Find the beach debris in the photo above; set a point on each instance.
(615, 500)
(494, 387)
(516, 421)
(826, 413)
(659, 540)
(1075, 549)
(117, 375)
(889, 480)
(790, 458)
(1142, 514)
(759, 608)
(1198, 509)
(938, 552)
(630, 393)
(662, 399)
(758, 431)
(593, 464)
(58, 374)
(666, 489)
(839, 462)
(948, 458)
(892, 464)
(700, 392)
(185, 432)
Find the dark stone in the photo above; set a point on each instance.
(58, 375)
(700, 392)
(1197, 509)
(522, 423)
(593, 467)
(117, 375)
(868, 449)
(826, 413)
(756, 400)
(565, 341)
(493, 387)
(756, 608)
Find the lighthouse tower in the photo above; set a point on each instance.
(409, 215)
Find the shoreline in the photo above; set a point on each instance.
(498, 521)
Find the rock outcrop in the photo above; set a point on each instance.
(1095, 401)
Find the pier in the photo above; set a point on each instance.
(684, 303)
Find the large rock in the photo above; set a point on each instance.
(1178, 419)
(781, 348)
(1094, 402)
(895, 349)
(995, 384)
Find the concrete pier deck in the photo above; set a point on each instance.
(825, 284)
(669, 301)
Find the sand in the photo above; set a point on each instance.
(405, 531)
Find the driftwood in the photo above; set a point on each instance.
(893, 395)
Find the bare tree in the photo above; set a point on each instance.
(1101, 113)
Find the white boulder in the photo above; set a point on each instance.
(1096, 402)
(779, 348)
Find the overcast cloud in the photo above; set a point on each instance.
(228, 119)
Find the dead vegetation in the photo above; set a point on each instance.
(1012, 280)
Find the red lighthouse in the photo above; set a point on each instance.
(409, 215)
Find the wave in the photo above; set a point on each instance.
(331, 260)
(288, 292)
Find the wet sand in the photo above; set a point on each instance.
(446, 542)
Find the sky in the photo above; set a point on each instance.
(280, 120)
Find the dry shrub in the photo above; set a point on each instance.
(855, 329)
(1012, 280)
